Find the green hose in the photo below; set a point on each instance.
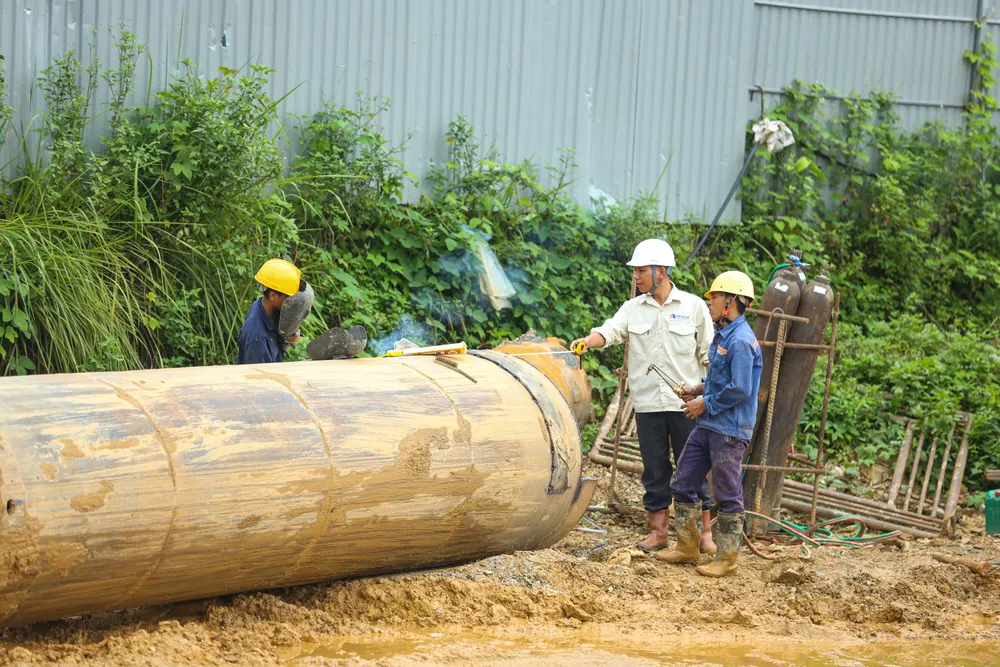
(823, 536)
(775, 270)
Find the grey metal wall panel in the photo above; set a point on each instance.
(627, 83)
(911, 48)
(694, 58)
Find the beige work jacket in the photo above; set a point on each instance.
(675, 336)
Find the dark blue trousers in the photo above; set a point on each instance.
(707, 450)
(659, 432)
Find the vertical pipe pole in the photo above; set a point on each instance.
(943, 471)
(956, 478)
(913, 471)
(927, 476)
(620, 417)
(977, 38)
(897, 474)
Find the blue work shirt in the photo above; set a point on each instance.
(734, 365)
(260, 342)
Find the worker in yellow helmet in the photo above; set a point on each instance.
(260, 340)
(724, 406)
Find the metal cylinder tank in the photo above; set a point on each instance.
(146, 487)
(794, 379)
(782, 293)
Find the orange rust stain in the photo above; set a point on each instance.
(62, 557)
(305, 486)
(92, 501)
(70, 450)
(118, 444)
(563, 369)
(49, 470)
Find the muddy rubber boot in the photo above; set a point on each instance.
(730, 540)
(707, 545)
(657, 538)
(688, 535)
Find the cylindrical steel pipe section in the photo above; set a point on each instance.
(559, 365)
(146, 487)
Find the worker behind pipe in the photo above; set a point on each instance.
(671, 329)
(725, 407)
(260, 341)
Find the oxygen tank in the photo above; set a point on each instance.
(782, 293)
(794, 378)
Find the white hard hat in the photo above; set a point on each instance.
(652, 252)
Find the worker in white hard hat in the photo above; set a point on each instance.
(725, 407)
(671, 329)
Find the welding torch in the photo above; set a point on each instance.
(677, 387)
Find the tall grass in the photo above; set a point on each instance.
(141, 253)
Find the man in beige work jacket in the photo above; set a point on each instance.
(672, 329)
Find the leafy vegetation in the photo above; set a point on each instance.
(142, 252)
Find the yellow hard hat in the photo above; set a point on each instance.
(732, 282)
(280, 275)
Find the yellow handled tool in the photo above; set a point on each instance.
(451, 348)
(579, 348)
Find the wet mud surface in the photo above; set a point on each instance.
(591, 599)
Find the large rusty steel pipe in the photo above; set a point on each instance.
(146, 487)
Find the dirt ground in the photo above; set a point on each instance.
(589, 600)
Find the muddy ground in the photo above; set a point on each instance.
(588, 600)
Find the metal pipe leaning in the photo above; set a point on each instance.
(146, 487)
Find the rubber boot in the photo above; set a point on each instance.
(707, 539)
(688, 535)
(657, 538)
(729, 541)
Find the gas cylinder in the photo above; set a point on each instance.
(794, 378)
(782, 294)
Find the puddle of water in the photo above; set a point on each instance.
(461, 648)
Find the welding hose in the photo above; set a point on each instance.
(821, 535)
(779, 267)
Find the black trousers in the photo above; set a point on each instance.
(658, 432)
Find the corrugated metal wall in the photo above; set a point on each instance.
(911, 48)
(630, 84)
